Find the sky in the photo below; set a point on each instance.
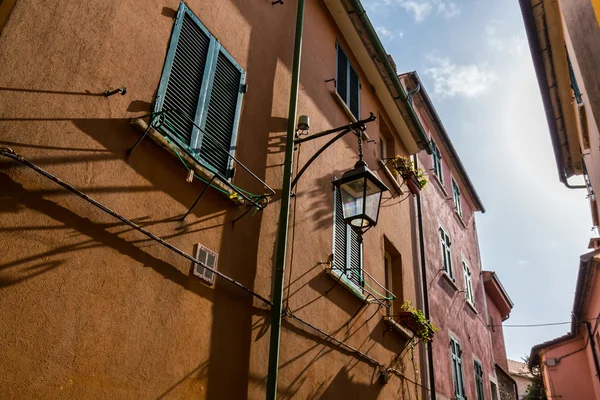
(474, 60)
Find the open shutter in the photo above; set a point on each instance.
(339, 233)
(354, 272)
(203, 85)
(181, 85)
(222, 117)
(341, 83)
(354, 100)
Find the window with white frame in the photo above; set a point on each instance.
(436, 157)
(479, 390)
(347, 83)
(456, 194)
(208, 259)
(468, 284)
(457, 369)
(347, 250)
(446, 253)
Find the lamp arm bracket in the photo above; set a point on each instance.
(352, 126)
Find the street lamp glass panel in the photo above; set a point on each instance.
(360, 201)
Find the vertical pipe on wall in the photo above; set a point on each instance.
(593, 344)
(425, 293)
(284, 213)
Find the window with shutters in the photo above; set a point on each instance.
(208, 259)
(479, 380)
(446, 253)
(468, 284)
(456, 194)
(347, 83)
(457, 369)
(347, 251)
(201, 90)
(437, 162)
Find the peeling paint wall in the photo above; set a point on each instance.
(449, 309)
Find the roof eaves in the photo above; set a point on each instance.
(389, 74)
(542, 78)
(446, 138)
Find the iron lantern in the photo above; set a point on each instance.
(360, 190)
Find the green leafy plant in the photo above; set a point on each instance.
(425, 328)
(404, 167)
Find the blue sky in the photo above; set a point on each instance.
(473, 58)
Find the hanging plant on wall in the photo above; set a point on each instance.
(413, 177)
(414, 319)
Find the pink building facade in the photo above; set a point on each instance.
(464, 302)
(569, 364)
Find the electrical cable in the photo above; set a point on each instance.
(10, 153)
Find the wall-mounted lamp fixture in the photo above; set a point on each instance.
(303, 123)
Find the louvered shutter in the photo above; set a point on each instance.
(339, 234)
(354, 272)
(347, 251)
(181, 83)
(341, 83)
(202, 85)
(224, 103)
(354, 97)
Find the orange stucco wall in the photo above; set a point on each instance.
(570, 378)
(90, 308)
(582, 38)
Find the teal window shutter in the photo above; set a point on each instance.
(457, 369)
(347, 82)
(202, 85)
(479, 381)
(347, 250)
(437, 161)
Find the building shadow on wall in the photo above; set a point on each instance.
(344, 383)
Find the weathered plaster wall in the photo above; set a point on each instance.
(581, 38)
(591, 313)
(568, 379)
(92, 308)
(448, 308)
(497, 333)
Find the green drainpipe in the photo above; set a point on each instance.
(284, 213)
(383, 57)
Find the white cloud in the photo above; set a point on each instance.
(420, 9)
(385, 33)
(523, 262)
(450, 80)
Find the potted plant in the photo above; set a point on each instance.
(414, 320)
(413, 176)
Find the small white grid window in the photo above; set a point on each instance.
(446, 253)
(208, 259)
(456, 193)
(468, 284)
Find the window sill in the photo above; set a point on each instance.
(471, 306)
(337, 276)
(200, 170)
(440, 185)
(404, 333)
(392, 178)
(347, 111)
(460, 218)
(450, 280)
